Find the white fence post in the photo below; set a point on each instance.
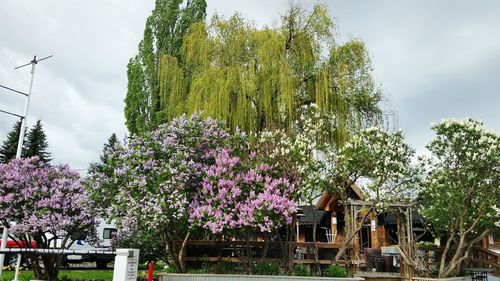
(126, 263)
(18, 265)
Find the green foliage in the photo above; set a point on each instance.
(256, 79)
(266, 268)
(170, 269)
(151, 248)
(462, 190)
(9, 146)
(335, 271)
(381, 157)
(425, 244)
(106, 166)
(163, 35)
(224, 267)
(464, 179)
(86, 274)
(197, 271)
(63, 277)
(301, 270)
(111, 145)
(36, 143)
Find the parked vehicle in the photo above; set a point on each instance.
(11, 259)
(105, 232)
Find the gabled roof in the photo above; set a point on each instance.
(328, 199)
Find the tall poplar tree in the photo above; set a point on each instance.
(9, 146)
(36, 143)
(163, 35)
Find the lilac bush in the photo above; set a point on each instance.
(189, 174)
(155, 177)
(235, 195)
(47, 204)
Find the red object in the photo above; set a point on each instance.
(13, 244)
(151, 267)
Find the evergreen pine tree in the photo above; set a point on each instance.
(36, 143)
(110, 145)
(9, 146)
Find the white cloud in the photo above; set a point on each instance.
(433, 59)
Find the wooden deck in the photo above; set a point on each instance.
(231, 251)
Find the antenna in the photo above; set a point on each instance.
(33, 63)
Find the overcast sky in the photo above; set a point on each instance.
(432, 59)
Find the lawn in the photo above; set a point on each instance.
(70, 274)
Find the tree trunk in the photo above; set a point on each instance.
(316, 254)
(265, 249)
(248, 254)
(51, 264)
(170, 248)
(454, 266)
(182, 252)
(351, 236)
(290, 250)
(445, 253)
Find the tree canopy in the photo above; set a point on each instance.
(44, 203)
(36, 143)
(255, 79)
(163, 36)
(461, 195)
(9, 146)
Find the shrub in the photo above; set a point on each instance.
(301, 270)
(227, 268)
(170, 269)
(336, 271)
(425, 244)
(197, 271)
(271, 268)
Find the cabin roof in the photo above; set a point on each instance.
(328, 199)
(307, 218)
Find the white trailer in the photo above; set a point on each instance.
(105, 232)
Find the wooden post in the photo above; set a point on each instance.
(334, 226)
(373, 233)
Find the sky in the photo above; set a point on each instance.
(431, 59)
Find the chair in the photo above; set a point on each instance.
(330, 236)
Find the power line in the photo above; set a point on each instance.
(10, 113)
(19, 92)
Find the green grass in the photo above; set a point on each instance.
(71, 274)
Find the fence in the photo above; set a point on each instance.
(229, 277)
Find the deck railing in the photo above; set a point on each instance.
(486, 258)
(271, 251)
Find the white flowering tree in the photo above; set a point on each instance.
(462, 191)
(383, 161)
(297, 155)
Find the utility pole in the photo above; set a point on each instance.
(33, 63)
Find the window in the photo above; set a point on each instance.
(109, 233)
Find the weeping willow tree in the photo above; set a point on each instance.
(261, 78)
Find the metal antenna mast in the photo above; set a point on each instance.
(33, 63)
